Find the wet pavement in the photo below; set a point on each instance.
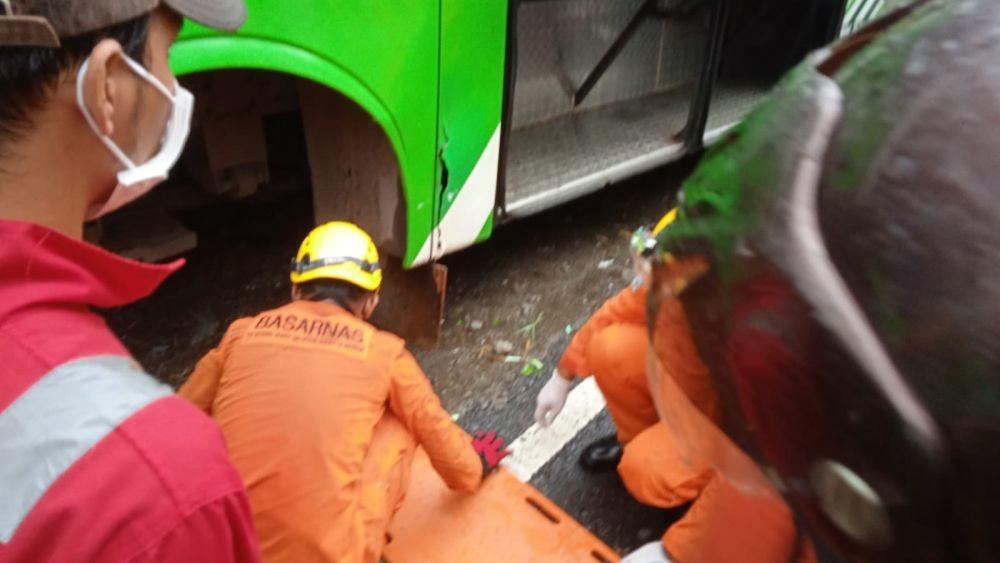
(531, 285)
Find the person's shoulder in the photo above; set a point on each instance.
(161, 466)
(241, 325)
(185, 449)
(388, 340)
(382, 334)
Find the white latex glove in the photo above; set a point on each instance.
(652, 552)
(551, 399)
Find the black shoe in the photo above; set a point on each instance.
(603, 455)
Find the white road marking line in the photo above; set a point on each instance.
(533, 449)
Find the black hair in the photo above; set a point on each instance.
(28, 74)
(339, 292)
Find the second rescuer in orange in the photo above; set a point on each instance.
(651, 458)
(612, 346)
(322, 412)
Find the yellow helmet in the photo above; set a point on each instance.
(665, 221)
(338, 251)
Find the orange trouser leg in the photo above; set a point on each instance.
(617, 356)
(654, 472)
(728, 523)
(384, 480)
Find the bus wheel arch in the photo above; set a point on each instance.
(258, 77)
(356, 176)
(354, 170)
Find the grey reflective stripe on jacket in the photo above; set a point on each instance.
(57, 420)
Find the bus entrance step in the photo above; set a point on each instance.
(505, 521)
(553, 162)
(731, 102)
(556, 161)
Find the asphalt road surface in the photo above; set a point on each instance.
(530, 286)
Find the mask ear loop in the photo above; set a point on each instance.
(136, 68)
(148, 77)
(121, 156)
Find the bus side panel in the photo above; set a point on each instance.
(859, 13)
(383, 55)
(473, 54)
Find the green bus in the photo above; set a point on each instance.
(430, 122)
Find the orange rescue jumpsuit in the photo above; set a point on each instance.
(612, 346)
(721, 524)
(321, 413)
(737, 515)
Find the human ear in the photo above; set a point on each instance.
(371, 303)
(102, 88)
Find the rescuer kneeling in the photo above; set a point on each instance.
(322, 412)
(612, 346)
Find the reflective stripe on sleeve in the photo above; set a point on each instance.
(56, 422)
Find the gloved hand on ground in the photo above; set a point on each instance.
(490, 448)
(652, 552)
(551, 399)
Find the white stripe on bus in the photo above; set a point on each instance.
(873, 9)
(852, 10)
(472, 207)
(858, 14)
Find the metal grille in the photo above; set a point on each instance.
(731, 102)
(627, 124)
(580, 153)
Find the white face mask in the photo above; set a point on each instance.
(135, 180)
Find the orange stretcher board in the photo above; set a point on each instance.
(506, 521)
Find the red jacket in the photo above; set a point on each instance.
(99, 461)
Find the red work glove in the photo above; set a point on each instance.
(490, 448)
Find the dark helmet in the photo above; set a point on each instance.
(850, 316)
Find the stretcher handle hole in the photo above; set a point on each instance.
(598, 556)
(545, 512)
